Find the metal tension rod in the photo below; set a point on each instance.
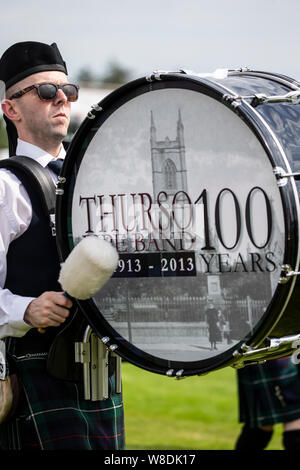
(291, 97)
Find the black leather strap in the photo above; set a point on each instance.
(40, 178)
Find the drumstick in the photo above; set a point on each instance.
(87, 268)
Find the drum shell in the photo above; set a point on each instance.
(281, 319)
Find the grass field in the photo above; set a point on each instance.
(192, 413)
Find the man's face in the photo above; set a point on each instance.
(42, 122)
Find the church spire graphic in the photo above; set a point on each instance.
(169, 172)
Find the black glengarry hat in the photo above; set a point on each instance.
(26, 58)
(22, 60)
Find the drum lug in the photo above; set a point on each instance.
(287, 273)
(105, 339)
(94, 107)
(158, 74)
(178, 375)
(282, 176)
(232, 101)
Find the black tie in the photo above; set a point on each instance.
(55, 165)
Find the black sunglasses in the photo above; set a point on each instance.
(48, 91)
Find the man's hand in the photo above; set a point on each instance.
(49, 309)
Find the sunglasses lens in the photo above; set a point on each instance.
(47, 91)
(71, 92)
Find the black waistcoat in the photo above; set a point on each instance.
(32, 259)
(33, 265)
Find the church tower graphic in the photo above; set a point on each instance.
(169, 175)
(169, 172)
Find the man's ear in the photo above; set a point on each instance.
(10, 110)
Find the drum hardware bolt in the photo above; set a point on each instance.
(90, 115)
(179, 375)
(232, 101)
(292, 273)
(245, 348)
(235, 104)
(61, 179)
(258, 99)
(236, 354)
(113, 347)
(288, 273)
(282, 176)
(156, 74)
(149, 78)
(105, 339)
(283, 280)
(96, 107)
(244, 69)
(59, 192)
(170, 372)
(228, 98)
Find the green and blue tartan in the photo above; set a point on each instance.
(269, 393)
(53, 415)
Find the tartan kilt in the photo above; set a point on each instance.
(269, 393)
(52, 414)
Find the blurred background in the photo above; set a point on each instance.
(108, 43)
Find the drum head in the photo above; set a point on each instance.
(185, 190)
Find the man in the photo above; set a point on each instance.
(51, 412)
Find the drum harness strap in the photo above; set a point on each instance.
(99, 363)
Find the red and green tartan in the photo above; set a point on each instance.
(269, 393)
(52, 414)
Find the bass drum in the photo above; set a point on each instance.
(190, 178)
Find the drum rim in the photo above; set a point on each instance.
(125, 349)
(265, 135)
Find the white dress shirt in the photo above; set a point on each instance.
(15, 218)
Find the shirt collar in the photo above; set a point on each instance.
(36, 153)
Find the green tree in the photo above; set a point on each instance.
(115, 74)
